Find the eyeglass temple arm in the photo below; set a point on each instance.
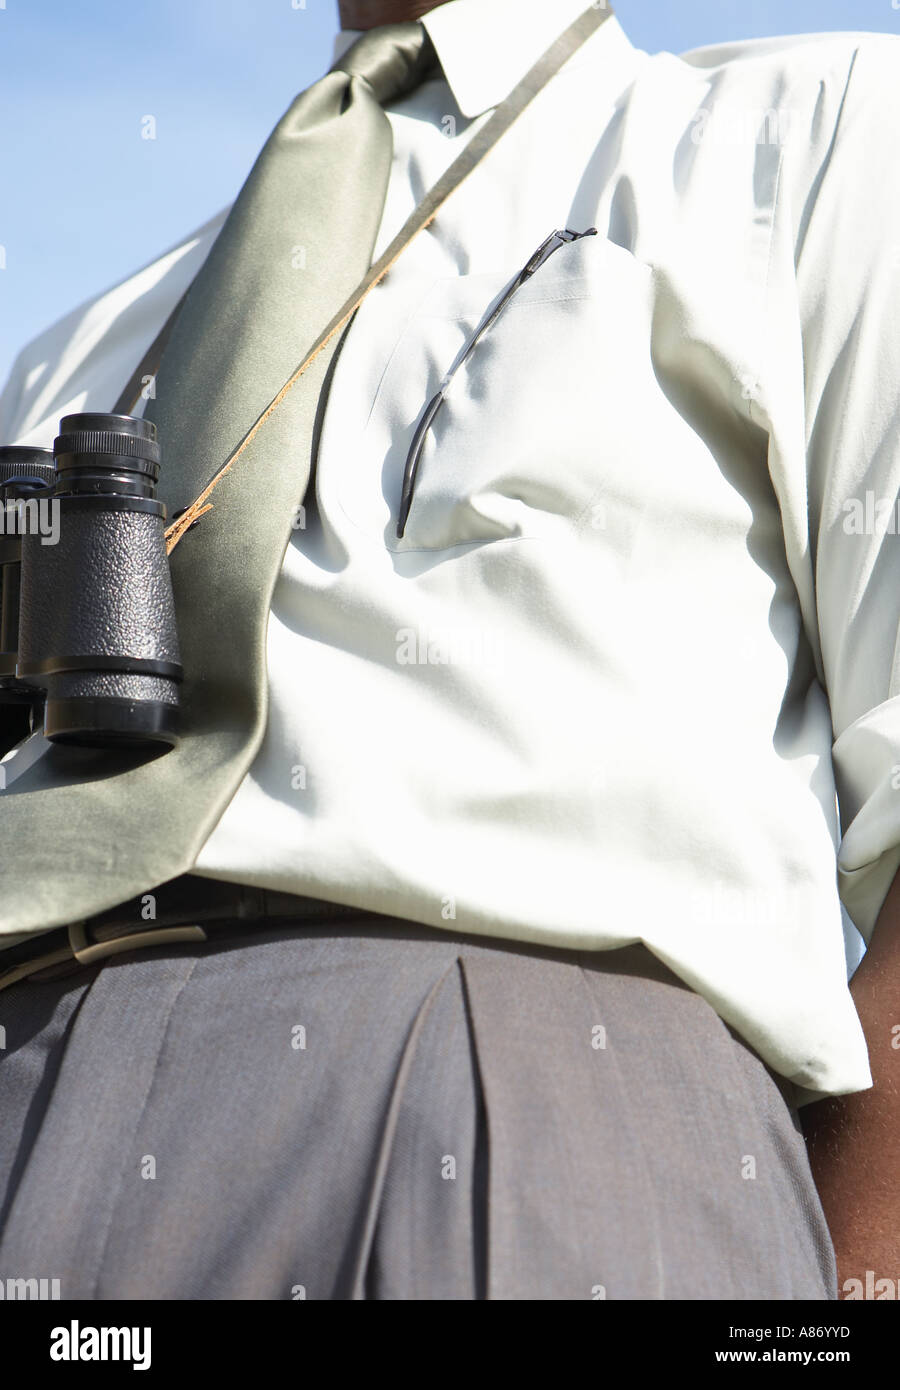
(543, 253)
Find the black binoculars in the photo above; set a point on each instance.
(88, 642)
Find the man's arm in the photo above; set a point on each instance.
(847, 227)
(854, 1141)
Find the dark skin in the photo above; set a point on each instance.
(366, 14)
(853, 1141)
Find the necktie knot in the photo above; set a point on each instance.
(393, 59)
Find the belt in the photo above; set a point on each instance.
(189, 908)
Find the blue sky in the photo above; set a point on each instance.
(86, 201)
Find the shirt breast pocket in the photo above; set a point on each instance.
(532, 420)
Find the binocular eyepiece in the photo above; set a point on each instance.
(87, 617)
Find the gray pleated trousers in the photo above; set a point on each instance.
(380, 1110)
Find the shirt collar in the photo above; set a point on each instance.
(486, 46)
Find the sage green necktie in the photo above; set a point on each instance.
(85, 830)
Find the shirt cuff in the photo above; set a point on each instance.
(867, 773)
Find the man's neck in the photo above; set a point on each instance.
(366, 14)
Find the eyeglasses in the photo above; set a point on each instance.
(542, 254)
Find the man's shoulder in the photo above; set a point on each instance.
(809, 72)
(787, 53)
(805, 93)
(82, 361)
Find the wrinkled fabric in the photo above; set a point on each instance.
(643, 623)
(385, 1111)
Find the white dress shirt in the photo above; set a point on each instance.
(644, 618)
